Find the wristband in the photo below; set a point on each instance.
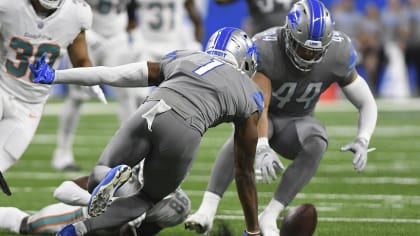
(246, 233)
(262, 141)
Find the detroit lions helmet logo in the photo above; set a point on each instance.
(294, 17)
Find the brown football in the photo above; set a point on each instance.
(299, 221)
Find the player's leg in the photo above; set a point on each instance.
(166, 164)
(63, 158)
(18, 125)
(171, 211)
(52, 218)
(11, 219)
(129, 99)
(304, 141)
(221, 177)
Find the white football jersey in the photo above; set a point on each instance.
(163, 26)
(109, 16)
(25, 36)
(161, 19)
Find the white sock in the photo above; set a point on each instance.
(209, 204)
(80, 228)
(11, 218)
(272, 210)
(71, 193)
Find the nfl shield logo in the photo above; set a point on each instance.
(40, 25)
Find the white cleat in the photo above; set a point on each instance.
(103, 193)
(268, 227)
(64, 161)
(200, 223)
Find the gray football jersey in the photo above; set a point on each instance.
(268, 13)
(205, 90)
(295, 93)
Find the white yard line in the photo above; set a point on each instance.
(339, 219)
(339, 105)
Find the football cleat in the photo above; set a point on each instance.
(68, 230)
(102, 194)
(200, 223)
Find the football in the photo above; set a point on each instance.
(299, 221)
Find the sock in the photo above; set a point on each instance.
(11, 218)
(272, 210)
(71, 193)
(80, 228)
(209, 204)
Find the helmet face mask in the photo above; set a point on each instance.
(51, 4)
(235, 47)
(308, 33)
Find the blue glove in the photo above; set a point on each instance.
(43, 73)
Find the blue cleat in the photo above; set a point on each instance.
(68, 230)
(102, 194)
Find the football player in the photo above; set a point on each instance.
(264, 14)
(108, 44)
(165, 25)
(297, 62)
(28, 29)
(196, 91)
(172, 210)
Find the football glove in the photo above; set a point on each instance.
(43, 73)
(96, 92)
(266, 164)
(359, 148)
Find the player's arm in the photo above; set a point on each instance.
(267, 163)
(265, 85)
(78, 52)
(245, 140)
(131, 13)
(195, 19)
(359, 94)
(140, 74)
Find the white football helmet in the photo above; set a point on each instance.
(51, 4)
(235, 47)
(309, 31)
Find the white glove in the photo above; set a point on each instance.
(266, 162)
(359, 148)
(95, 91)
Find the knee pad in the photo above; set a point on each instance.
(171, 211)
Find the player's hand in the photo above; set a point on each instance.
(359, 148)
(43, 73)
(266, 164)
(96, 91)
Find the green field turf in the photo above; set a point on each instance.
(382, 201)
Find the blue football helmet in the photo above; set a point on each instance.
(235, 47)
(51, 4)
(309, 31)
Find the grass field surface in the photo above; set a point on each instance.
(384, 200)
